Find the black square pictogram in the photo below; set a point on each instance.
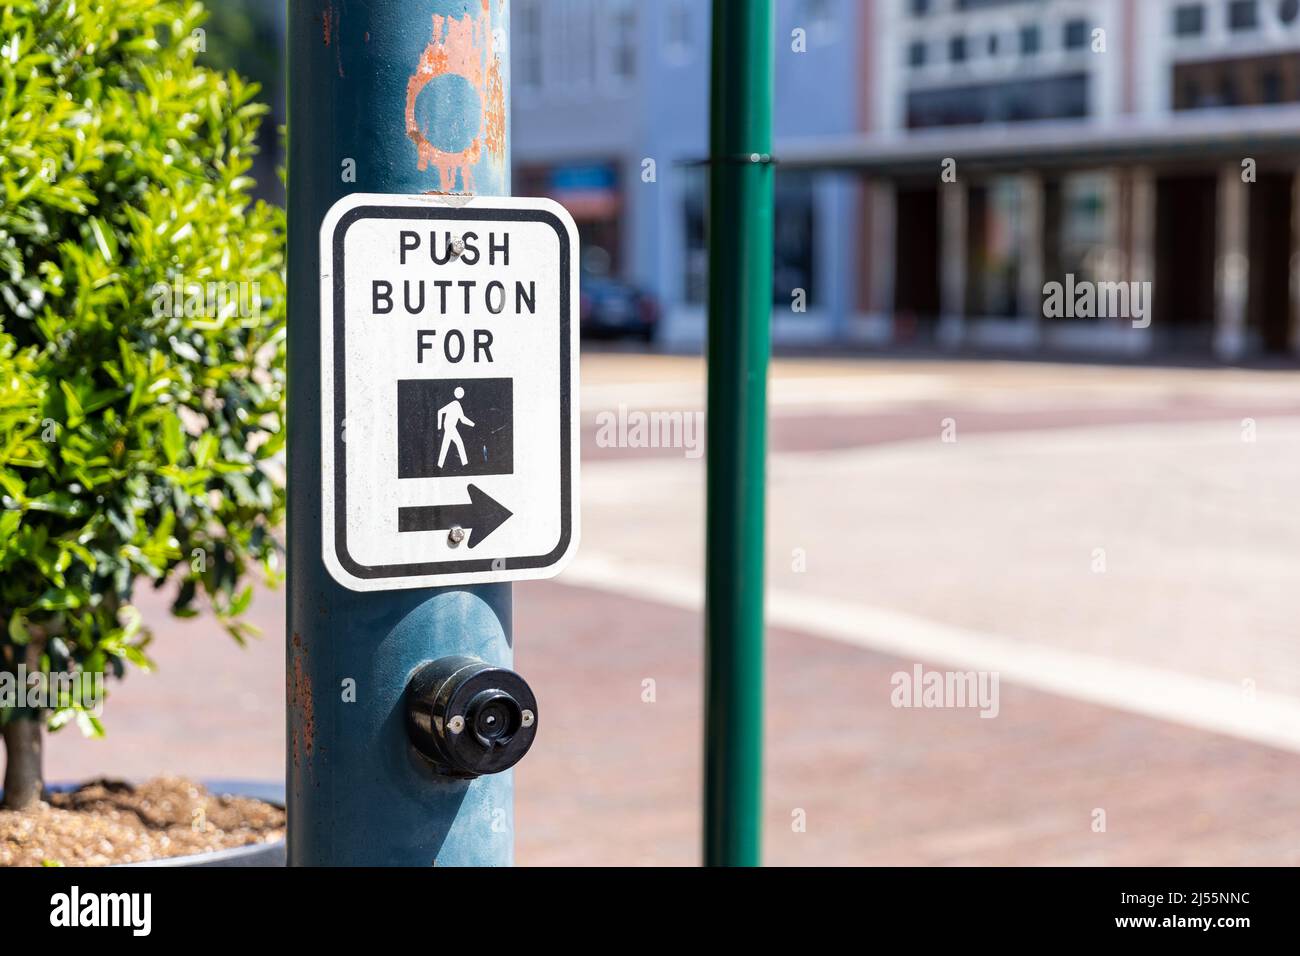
(455, 426)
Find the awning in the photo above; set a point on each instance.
(1221, 134)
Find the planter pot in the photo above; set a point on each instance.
(257, 854)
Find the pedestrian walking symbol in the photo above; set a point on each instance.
(450, 417)
(452, 427)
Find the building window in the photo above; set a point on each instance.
(1228, 91)
(919, 8)
(580, 44)
(527, 27)
(1031, 40)
(695, 254)
(1243, 15)
(957, 49)
(1288, 10)
(1075, 226)
(1189, 21)
(1270, 87)
(794, 237)
(793, 258)
(916, 52)
(1076, 34)
(1242, 81)
(622, 36)
(819, 19)
(996, 227)
(590, 190)
(1053, 97)
(677, 30)
(993, 44)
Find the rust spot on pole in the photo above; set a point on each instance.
(461, 47)
(330, 33)
(303, 702)
(494, 112)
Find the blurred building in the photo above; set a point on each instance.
(1090, 141)
(1112, 141)
(610, 117)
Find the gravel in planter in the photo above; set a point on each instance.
(110, 821)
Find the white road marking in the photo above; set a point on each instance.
(1216, 706)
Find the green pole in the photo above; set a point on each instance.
(740, 307)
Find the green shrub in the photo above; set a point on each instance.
(141, 341)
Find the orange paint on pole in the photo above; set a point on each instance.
(460, 47)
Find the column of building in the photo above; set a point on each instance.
(952, 263)
(1231, 265)
(1030, 293)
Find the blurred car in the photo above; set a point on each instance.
(611, 308)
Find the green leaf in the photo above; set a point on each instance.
(242, 601)
(104, 239)
(173, 438)
(89, 724)
(205, 449)
(73, 404)
(18, 628)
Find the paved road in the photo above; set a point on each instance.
(1116, 543)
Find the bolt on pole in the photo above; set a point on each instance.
(740, 306)
(385, 96)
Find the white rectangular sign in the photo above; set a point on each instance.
(449, 406)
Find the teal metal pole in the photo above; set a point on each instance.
(385, 96)
(740, 311)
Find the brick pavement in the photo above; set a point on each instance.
(879, 785)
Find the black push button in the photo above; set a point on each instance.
(469, 718)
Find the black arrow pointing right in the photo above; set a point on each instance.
(482, 515)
